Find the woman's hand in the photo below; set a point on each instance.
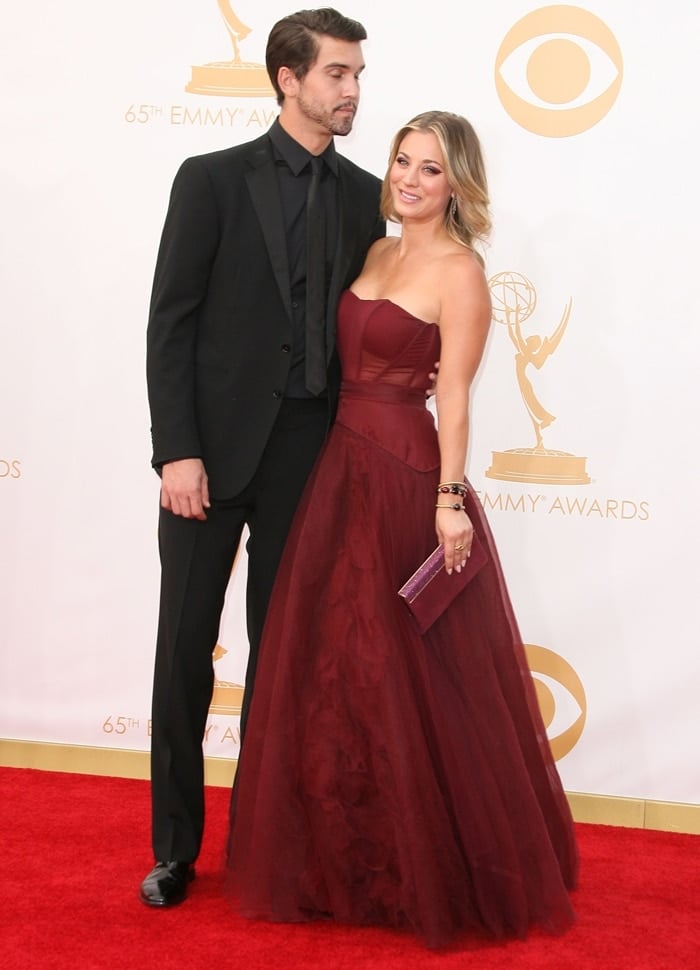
(455, 531)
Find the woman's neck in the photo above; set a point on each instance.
(417, 237)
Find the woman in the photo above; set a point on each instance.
(388, 777)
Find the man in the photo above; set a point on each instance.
(242, 386)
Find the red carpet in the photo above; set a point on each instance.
(75, 849)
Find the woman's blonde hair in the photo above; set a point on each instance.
(467, 218)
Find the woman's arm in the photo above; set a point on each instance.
(464, 320)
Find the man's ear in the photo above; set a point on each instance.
(287, 80)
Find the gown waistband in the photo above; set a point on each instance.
(378, 391)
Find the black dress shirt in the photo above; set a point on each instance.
(293, 176)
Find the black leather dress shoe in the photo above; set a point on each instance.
(166, 884)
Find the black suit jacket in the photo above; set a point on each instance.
(220, 322)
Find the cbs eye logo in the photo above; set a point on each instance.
(569, 64)
(561, 698)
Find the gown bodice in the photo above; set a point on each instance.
(387, 355)
(379, 341)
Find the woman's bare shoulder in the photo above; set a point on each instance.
(381, 246)
(463, 284)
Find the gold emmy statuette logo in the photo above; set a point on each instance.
(563, 56)
(234, 78)
(513, 300)
(226, 698)
(545, 662)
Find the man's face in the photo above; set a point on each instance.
(327, 98)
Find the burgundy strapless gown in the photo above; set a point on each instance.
(389, 778)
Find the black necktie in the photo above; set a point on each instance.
(315, 282)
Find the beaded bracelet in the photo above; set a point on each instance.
(452, 488)
(456, 507)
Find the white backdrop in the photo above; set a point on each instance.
(593, 179)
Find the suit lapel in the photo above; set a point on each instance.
(264, 192)
(348, 230)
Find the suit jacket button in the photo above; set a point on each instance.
(277, 395)
(286, 348)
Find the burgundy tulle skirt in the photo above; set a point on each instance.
(389, 778)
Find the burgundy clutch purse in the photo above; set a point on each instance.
(430, 590)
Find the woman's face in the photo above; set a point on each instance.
(419, 186)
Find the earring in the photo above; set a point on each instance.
(453, 209)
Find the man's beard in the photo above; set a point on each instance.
(334, 124)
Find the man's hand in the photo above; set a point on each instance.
(433, 377)
(185, 488)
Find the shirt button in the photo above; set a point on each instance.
(295, 305)
(286, 348)
(277, 395)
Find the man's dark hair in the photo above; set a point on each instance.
(293, 41)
